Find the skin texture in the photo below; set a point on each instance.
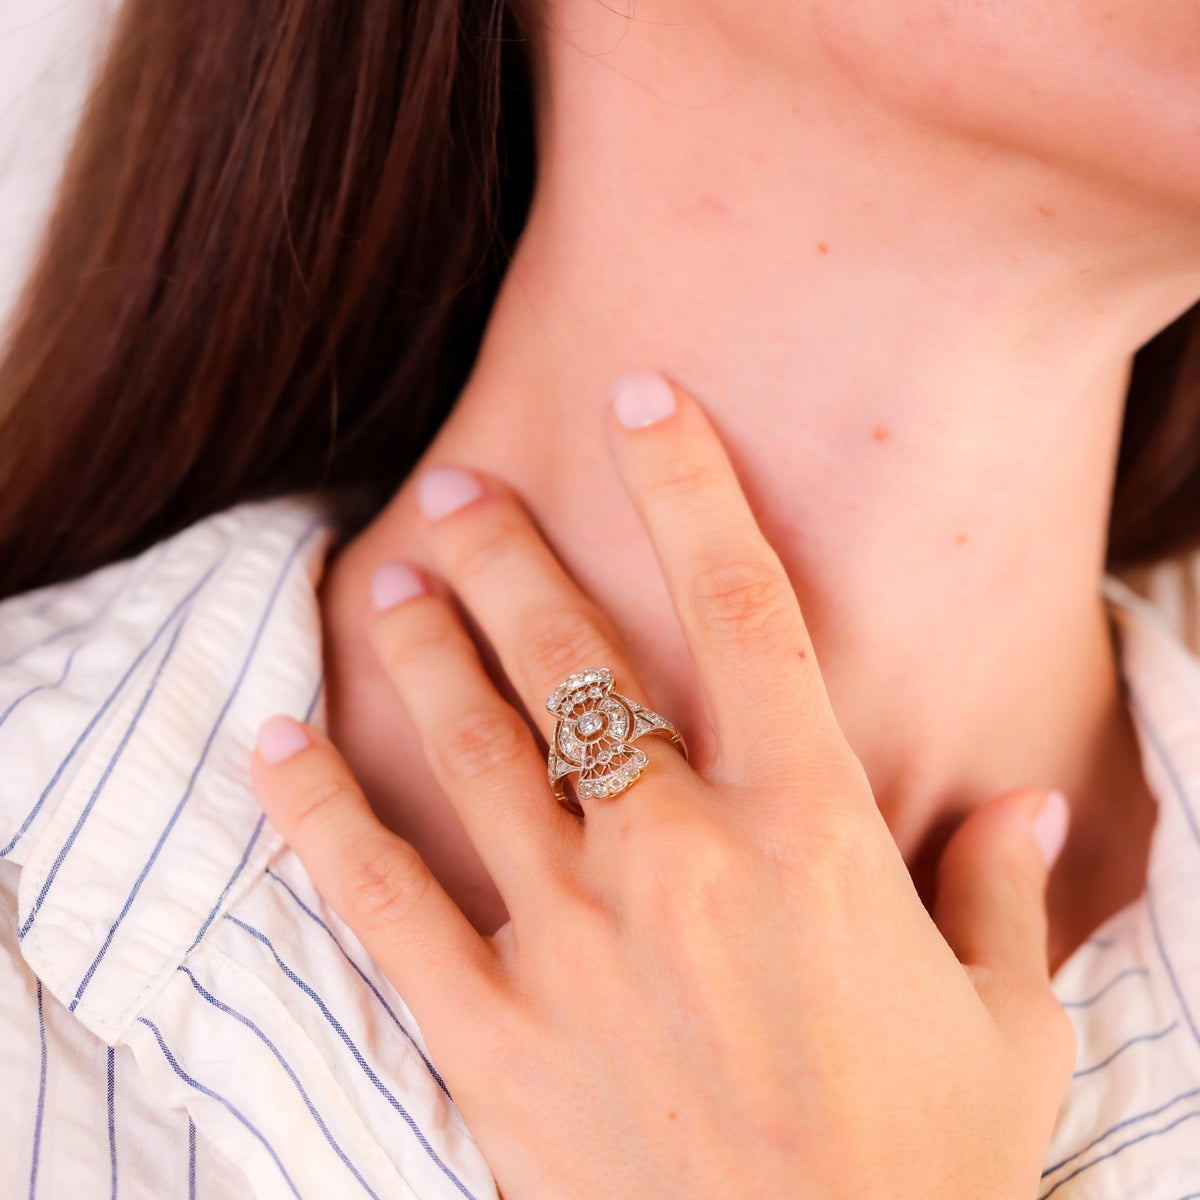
(903, 252)
(1106, 89)
(732, 931)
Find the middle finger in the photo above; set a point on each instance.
(541, 625)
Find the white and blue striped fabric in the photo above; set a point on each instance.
(180, 1014)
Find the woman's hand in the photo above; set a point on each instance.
(719, 984)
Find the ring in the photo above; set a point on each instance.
(594, 737)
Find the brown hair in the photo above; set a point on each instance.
(274, 248)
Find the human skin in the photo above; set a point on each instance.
(903, 253)
(681, 1003)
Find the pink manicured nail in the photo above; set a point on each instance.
(1050, 826)
(444, 490)
(280, 738)
(642, 398)
(393, 583)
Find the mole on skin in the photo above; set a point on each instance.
(882, 433)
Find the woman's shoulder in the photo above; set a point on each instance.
(129, 703)
(82, 604)
(131, 658)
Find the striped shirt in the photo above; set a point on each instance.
(182, 1016)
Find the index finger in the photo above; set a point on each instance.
(737, 607)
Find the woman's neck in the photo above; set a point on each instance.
(916, 345)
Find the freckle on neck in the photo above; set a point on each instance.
(882, 433)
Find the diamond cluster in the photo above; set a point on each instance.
(614, 781)
(576, 690)
(596, 727)
(597, 735)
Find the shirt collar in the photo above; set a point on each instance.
(1162, 682)
(142, 828)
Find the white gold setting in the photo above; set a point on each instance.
(594, 737)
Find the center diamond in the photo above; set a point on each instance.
(590, 724)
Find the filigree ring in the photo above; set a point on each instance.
(594, 738)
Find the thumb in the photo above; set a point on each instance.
(991, 896)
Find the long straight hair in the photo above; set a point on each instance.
(276, 242)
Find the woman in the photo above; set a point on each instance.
(905, 256)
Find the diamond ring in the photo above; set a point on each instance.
(594, 737)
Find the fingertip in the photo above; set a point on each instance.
(642, 398)
(1050, 825)
(444, 489)
(279, 738)
(393, 583)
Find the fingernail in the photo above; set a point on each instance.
(641, 398)
(393, 583)
(1050, 826)
(280, 738)
(444, 490)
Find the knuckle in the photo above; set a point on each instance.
(482, 742)
(559, 643)
(386, 885)
(312, 799)
(493, 539)
(683, 869)
(405, 640)
(836, 835)
(828, 849)
(1023, 889)
(732, 598)
(1015, 885)
(589, 952)
(678, 482)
